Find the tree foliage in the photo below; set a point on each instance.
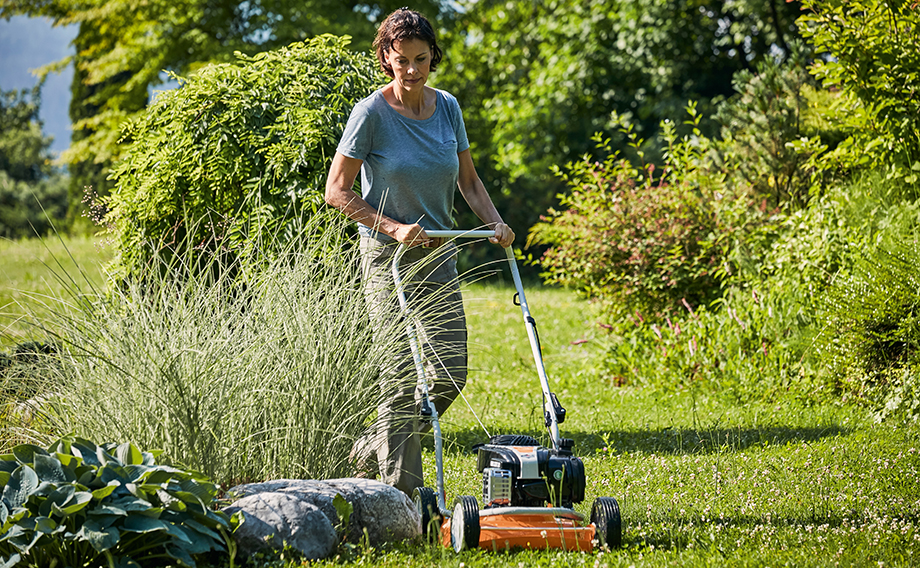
(238, 155)
(123, 48)
(32, 195)
(872, 57)
(537, 79)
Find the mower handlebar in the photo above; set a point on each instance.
(460, 234)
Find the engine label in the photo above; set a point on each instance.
(530, 467)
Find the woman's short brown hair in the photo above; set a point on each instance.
(401, 25)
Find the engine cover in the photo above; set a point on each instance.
(536, 476)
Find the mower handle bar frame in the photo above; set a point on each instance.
(529, 324)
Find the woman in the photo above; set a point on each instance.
(409, 142)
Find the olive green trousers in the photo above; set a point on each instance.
(431, 285)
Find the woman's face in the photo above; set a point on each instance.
(411, 63)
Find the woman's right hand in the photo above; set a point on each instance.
(412, 235)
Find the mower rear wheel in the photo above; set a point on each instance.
(605, 516)
(426, 503)
(464, 524)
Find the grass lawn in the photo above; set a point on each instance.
(701, 478)
(33, 270)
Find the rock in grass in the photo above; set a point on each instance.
(383, 513)
(275, 519)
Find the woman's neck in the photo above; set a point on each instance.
(412, 104)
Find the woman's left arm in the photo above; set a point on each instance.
(475, 194)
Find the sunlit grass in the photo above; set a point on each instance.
(701, 479)
(35, 271)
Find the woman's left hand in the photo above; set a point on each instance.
(504, 236)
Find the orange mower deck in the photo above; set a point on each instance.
(530, 531)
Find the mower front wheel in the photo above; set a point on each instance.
(464, 524)
(426, 503)
(605, 516)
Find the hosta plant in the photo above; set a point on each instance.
(78, 504)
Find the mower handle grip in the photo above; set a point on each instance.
(461, 234)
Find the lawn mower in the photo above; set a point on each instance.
(528, 491)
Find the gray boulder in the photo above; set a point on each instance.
(381, 512)
(274, 519)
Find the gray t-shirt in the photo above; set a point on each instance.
(410, 167)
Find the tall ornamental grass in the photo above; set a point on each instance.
(265, 375)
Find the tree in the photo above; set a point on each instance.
(32, 194)
(123, 48)
(537, 79)
(24, 152)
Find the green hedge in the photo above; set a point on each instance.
(237, 156)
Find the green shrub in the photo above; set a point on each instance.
(78, 504)
(871, 339)
(640, 243)
(871, 52)
(748, 345)
(236, 157)
(766, 113)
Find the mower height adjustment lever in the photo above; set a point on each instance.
(558, 410)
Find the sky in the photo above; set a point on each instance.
(27, 44)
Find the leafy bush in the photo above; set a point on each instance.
(640, 243)
(872, 337)
(78, 504)
(766, 113)
(872, 53)
(235, 158)
(240, 376)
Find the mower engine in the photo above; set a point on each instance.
(518, 472)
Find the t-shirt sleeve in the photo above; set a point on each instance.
(358, 135)
(463, 142)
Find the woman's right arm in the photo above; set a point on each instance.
(339, 194)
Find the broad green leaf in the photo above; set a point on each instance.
(128, 454)
(8, 463)
(68, 460)
(101, 518)
(56, 498)
(25, 453)
(181, 555)
(4, 514)
(104, 492)
(135, 472)
(48, 468)
(79, 502)
(86, 452)
(4, 477)
(105, 458)
(12, 561)
(178, 531)
(21, 484)
(100, 537)
(158, 475)
(201, 529)
(170, 502)
(143, 524)
(45, 525)
(112, 509)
